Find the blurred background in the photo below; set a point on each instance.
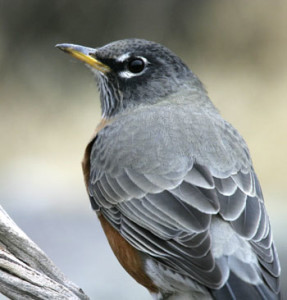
(49, 108)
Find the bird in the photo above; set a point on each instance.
(172, 182)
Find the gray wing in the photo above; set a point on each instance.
(168, 215)
(173, 225)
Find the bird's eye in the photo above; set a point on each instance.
(136, 65)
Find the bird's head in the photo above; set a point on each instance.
(133, 72)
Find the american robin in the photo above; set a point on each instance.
(172, 182)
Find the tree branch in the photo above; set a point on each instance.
(25, 270)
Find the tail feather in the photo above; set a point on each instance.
(237, 289)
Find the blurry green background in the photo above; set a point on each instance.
(49, 108)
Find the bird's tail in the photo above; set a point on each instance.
(237, 289)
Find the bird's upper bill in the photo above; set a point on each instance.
(84, 54)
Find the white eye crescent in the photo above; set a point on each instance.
(135, 66)
(123, 57)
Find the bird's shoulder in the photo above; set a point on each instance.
(169, 135)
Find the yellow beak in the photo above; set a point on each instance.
(84, 54)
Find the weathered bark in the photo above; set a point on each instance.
(25, 270)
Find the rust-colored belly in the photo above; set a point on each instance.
(127, 255)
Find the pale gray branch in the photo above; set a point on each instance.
(25, 270)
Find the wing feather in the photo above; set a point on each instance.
(204, 200)
(114, 185)
(274, 266)
(143, 182)
(225, 186)
(247, 223)
(129, 187)
(181, 213)
(145, 219)
(200, 176)
(263, 226)
(245, 182)
(110, 193)
(232, 206)
(162, 181)
(178, 235)
(191, 239)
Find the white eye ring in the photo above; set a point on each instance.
(128, 73)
